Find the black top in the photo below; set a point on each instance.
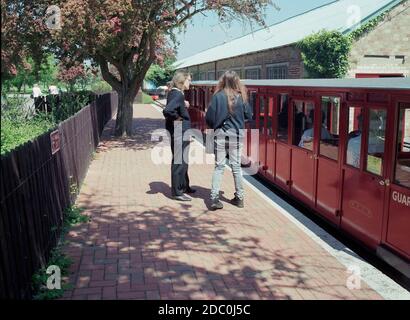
(218, 115)
(175, 108)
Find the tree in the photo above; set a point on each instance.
(160, 75)
(23, 34)
(130, 35)
(27, 74)
(71, 73)
(326, 54)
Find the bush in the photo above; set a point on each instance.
(17, 127)
(326, 54)
(100, 87)
(72, 216)
(65, 105)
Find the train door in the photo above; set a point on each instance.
(398, 224)
(262, 122)
(302, 162)
(328, 182)
(364, 172)
(282, 145)
(270, 138)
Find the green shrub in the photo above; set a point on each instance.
(72, 216)
(17, 127)
(146, 98)
(100, 87)
(68, 104)
(326, 54)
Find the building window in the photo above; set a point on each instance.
(238, 72)
(211, 75)
(202, 76)
(220, 73)
(253, 73)
(277, 72)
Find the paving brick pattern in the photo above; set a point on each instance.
(140, 244)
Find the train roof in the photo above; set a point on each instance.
(371, 83)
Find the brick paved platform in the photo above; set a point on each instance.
(140, 244)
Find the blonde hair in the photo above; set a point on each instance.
(179, 79)
(231, 84)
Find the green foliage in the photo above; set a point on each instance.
(326, 54)
(367, 27)
(39, 282)
(72, 216)
(146, 98)
(45, 74)
(100, 86)
(160, 75)
(68, 104)
(17, 128)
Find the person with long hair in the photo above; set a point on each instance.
(177, 123)
(226, 115)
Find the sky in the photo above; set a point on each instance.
(204, 32)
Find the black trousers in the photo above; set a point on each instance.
(179, 166)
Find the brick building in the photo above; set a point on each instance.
(271, 53)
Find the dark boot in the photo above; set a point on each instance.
(216, 204)
(190, 190)
(237, 202)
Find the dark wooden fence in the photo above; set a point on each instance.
(35, 191)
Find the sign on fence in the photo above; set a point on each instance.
(55, 141)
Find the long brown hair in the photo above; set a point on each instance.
(231, 84)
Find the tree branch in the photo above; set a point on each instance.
(107, 74)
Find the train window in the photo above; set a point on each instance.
(262, 107)
(192, 98)
(303, 124)
(329, 129)
(355, 125)
(283, 118)
(376, 140)
(270, 117)
(202, 107)
(402, 171)
(252, 103)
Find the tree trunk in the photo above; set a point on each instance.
(123, 123)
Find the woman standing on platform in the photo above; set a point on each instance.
(226, 115)
(177, 123)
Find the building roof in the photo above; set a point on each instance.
(371, 83)
(333, 16)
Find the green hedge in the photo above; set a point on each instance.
(17, 128)
(326, 54)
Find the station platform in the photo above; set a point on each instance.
(141, 244)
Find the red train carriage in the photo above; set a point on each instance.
(340, 146)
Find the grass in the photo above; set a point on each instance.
(72, 216)
(146, 98)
